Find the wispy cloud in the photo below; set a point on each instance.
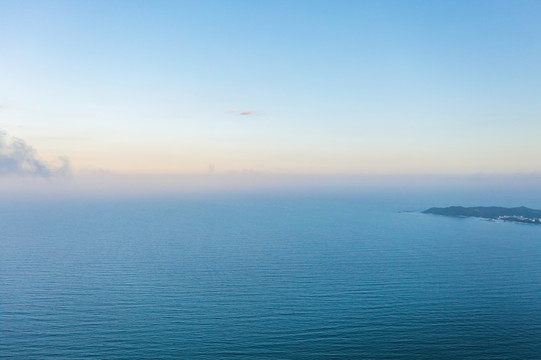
(19, 159)
(249, 112)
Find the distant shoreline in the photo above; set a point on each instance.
(521, 215)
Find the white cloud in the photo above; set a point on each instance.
(19, 159)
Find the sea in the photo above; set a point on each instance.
(270, 275)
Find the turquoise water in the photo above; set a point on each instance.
(265, 277)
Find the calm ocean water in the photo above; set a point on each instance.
(265, 277)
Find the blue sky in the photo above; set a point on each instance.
(335, 87)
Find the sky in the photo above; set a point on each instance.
(143, 88)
